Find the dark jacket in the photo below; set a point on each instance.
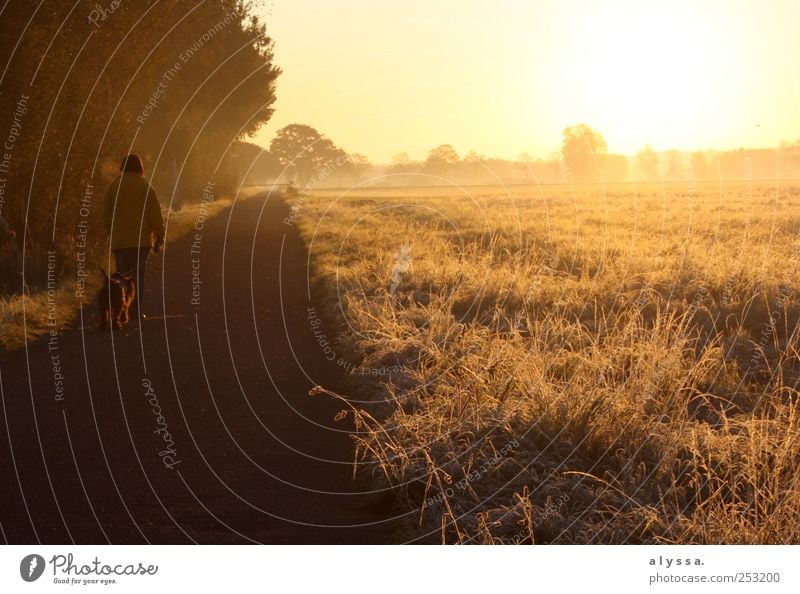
(132, 213)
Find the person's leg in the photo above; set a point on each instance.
(141, 257)
(126, 259)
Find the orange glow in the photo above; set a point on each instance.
(506, 77)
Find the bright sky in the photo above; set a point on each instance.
(506, 76)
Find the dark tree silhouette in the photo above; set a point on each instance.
(358, 166)
(306, 155)
(177, 82)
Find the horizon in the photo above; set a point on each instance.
(552, 157)
(407, 80)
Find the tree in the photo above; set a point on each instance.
(581, 148)
(475, 165)
(675, 166)
(305, 154)
(441, 159)
(401, 165)
(256, 165)
(191, 80)
(647, 163)
(789, 158)
(556, 161)
(327, 159)
(526, 162)
(614, 167)
(358, 166)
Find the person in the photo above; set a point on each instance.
(133, 220)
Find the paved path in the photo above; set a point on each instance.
(196, 426)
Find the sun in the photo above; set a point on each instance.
(653, 74)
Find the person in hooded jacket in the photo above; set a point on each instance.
(132, 217)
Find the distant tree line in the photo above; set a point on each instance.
(84, 83)
(740, 164)
(302, 155)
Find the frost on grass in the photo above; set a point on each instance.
(573, 368)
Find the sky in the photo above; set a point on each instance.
(502, 77)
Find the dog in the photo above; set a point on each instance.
(114, 299)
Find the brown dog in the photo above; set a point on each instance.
(114, 299)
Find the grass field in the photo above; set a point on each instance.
(572, 365)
